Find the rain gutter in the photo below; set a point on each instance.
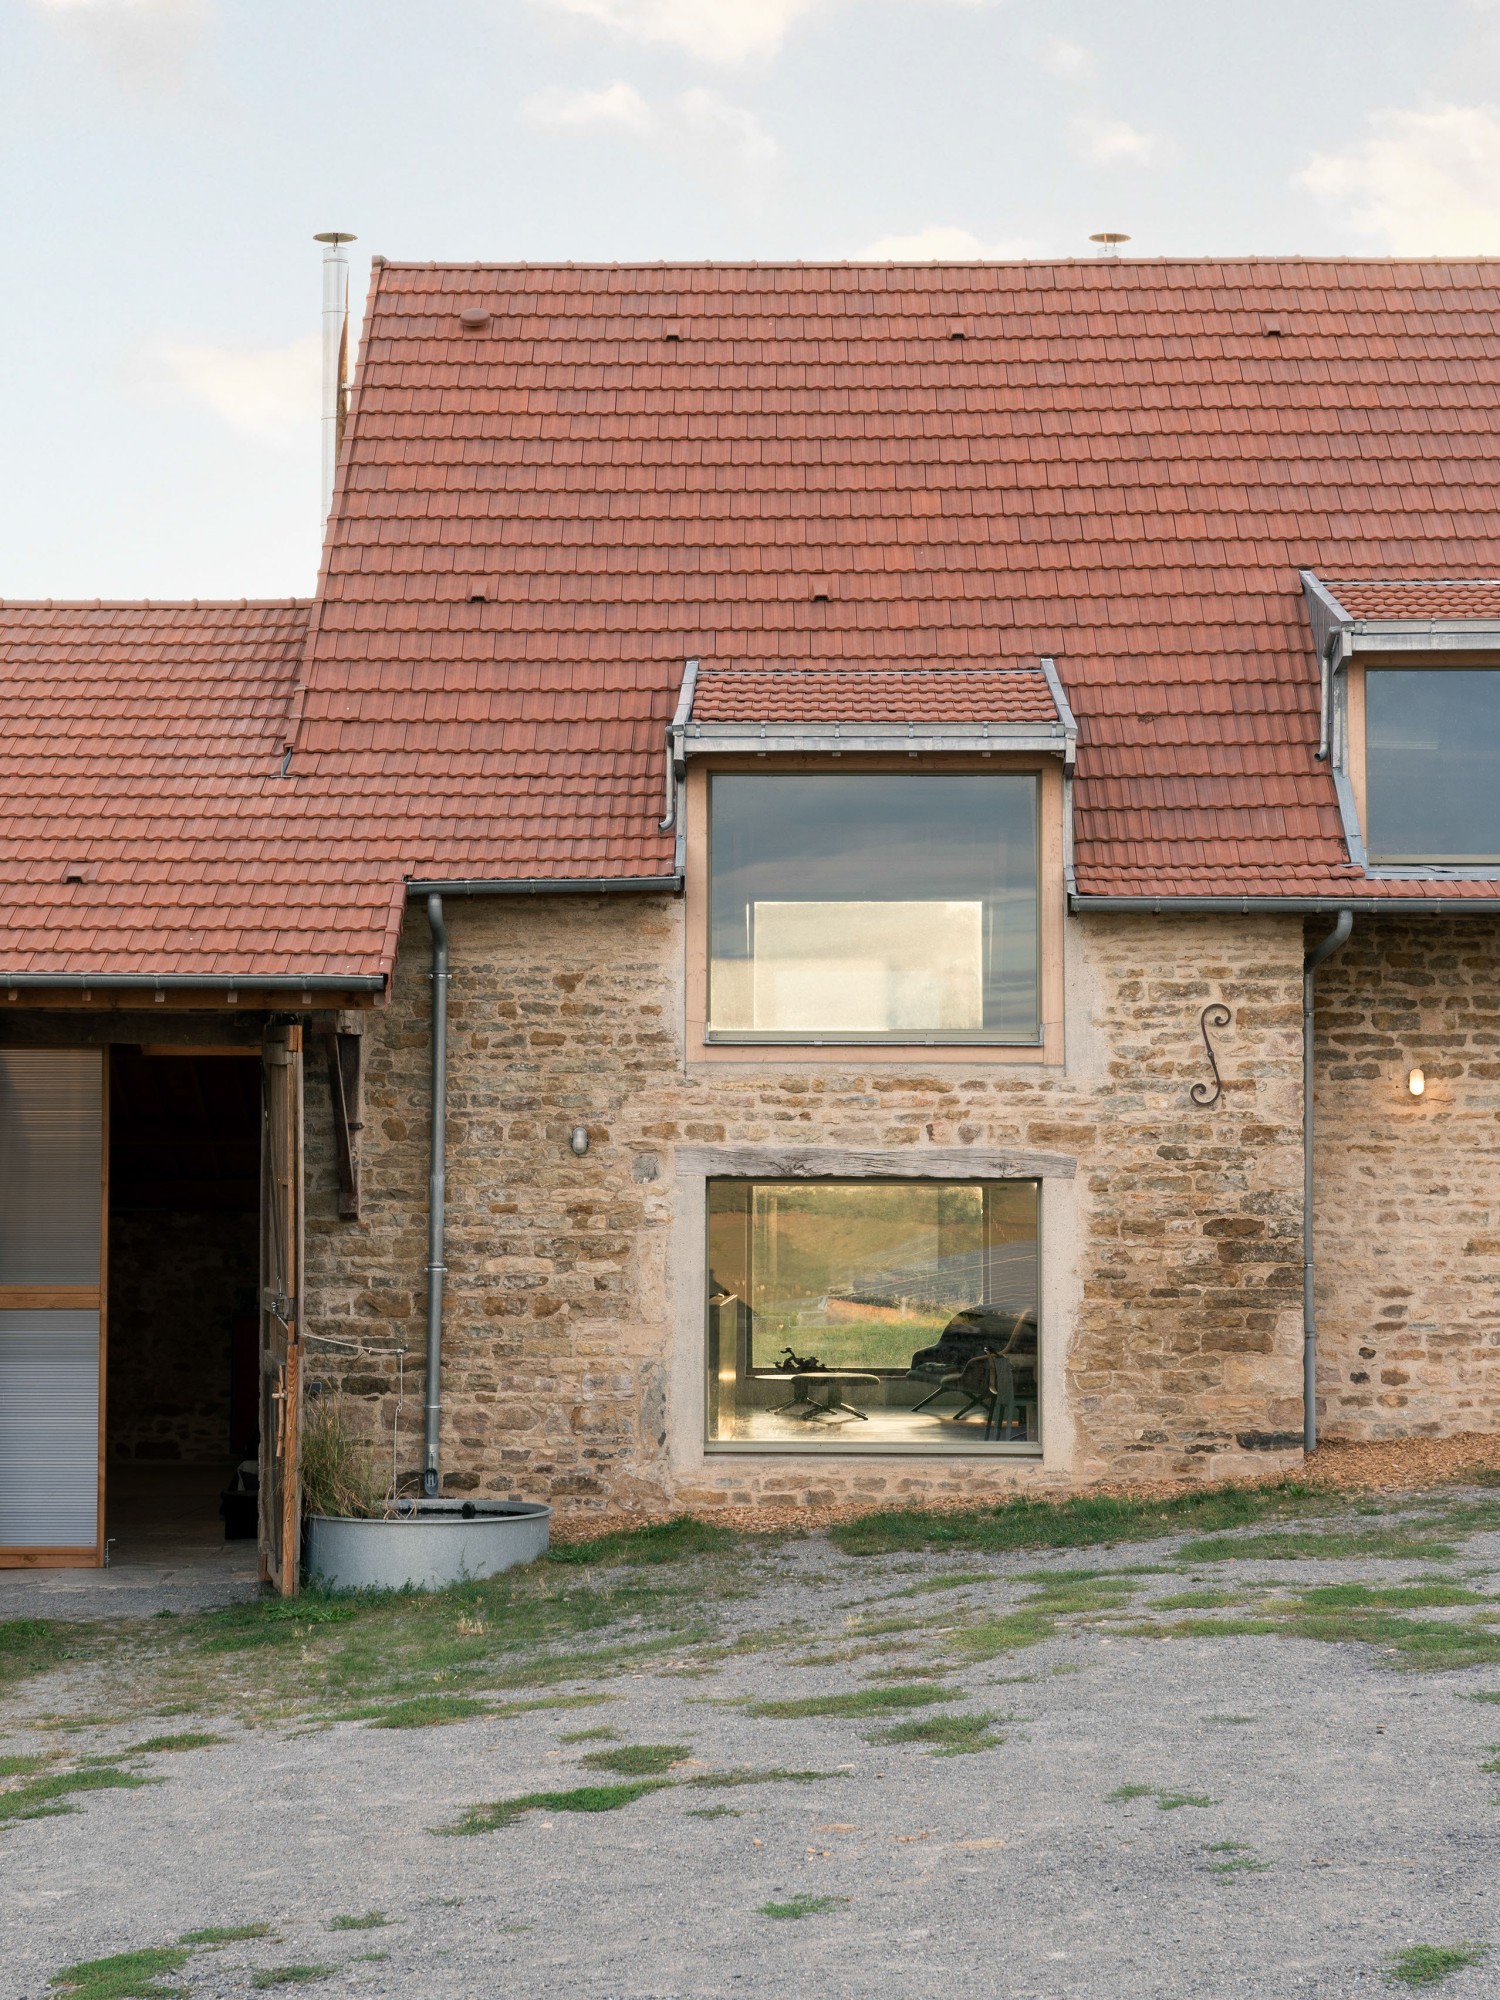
(192, 982)
(1286, 906)
(437, 1199)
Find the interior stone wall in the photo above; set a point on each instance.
(1182, 1351)
(1407, 1200)
(175, 1285)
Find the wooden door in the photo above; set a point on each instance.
(281, 1308)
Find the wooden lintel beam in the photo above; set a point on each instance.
(344, 1089)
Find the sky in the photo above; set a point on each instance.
(165, 163)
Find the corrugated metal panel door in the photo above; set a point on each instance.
(51, 1192)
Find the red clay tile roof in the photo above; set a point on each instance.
(539, 521)
(141, 745)
(1448, 598)
(875, 694)
(1119, 465)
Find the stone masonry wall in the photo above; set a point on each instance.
(1408, 1189)
(1185, 1352)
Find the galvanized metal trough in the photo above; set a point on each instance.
(427, 1546)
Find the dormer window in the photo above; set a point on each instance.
(1432, 764)
(1411, 720)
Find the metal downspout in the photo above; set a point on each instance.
(437, 1191)
(1335, 941)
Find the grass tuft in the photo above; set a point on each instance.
(1431, 1964)
(583, 1798)
(949, 1735)
(721, 1780)
(1086, 1521)
(372, 1920)
(639, 1760)
(1319, 1545)
(186, 1739)
(40, 1798)
(1166, 1801)
(660, 1542)
(802, 1906)
(218, 1934)
(292, 1975)
(428, 1711)
(128, 1975)
(864, 1701)
(31, 1645)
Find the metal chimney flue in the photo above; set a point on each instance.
(335, 352)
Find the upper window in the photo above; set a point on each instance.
(1432, 764)
(867, 907)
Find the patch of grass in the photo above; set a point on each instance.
(1319, 1544)
(1236, 1859)
(1198, 1600)
(41, 1797)
(662, 1541)
(128, 1975)
(1487, 1694)
(1085, 1521)
(720, 1780)
(987, 1638)
(864, 1701)
(1401, 1596)
(954, 1580)
(1166, 1801)
(715, 1812)
(1231, 1718)
(372, 1920)
(186, 1739)
(292, 1975)
(1431, 1964)
(589, 1736)
(584, 1798)
(639, 1760)
(32, 1645)
(1064, 1596)
(218, 1934)
(949, 1735)
(428, 1711)
(19, 1767)
(802, 1906)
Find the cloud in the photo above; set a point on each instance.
(728, 129)
(618, 107)
(943, 243)
(1424, 183)
(711, 137)
(1106, 142)
(142, 41)
(270, 393)
(721, 31)
(1070, 60)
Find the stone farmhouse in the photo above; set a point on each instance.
(861, 882)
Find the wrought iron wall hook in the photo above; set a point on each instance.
(1214, 1015)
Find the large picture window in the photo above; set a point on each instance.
(866, 907)
(1432, 764)
(853, 1315)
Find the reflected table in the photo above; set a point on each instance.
(805, 1403)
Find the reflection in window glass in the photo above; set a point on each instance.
(846, 1315)
(1432, 764)
(870, 907)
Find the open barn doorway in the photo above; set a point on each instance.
(182, 1387)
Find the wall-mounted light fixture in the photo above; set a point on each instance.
(1416, 1083)
(578, 1139)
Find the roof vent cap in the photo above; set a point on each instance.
(474, 319)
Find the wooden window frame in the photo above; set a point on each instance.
(1051, 909)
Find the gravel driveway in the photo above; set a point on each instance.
(1261, 1814)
